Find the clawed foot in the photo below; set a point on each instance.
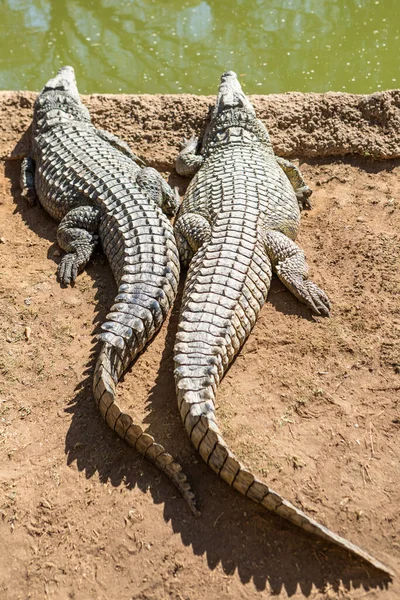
(30, 195)
(314, 298)
(303, 195)
(176, 201)
(189, 144)
(171, 202)
(68, 269)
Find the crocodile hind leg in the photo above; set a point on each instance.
(191, 232)
(76, 235)
(188, 161)
(302, 191)
(27, 180)
(291, 267)
(157, 190)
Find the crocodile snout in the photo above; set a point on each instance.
(227, 74)
(64, 81)
(230, 94)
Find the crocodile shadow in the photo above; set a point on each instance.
(365, 163)
(232, 531)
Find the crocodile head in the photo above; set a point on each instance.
(59, 100)
(64, 82)
(232, 112)
(231, 96)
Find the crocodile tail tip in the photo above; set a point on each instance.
(288, 511)
(107, 372)
(207, 438)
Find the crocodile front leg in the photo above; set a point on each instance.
(157, 190)
(76, 235)
(191, 231)
(27, 180)
(188, 161)
(118, 144)
(291, 267)
(302, 191)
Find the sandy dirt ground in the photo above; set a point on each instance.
(310, 404)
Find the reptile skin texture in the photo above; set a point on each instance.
(237, 224)
(89, 181)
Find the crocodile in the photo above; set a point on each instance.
(237, 223)
(90, 181)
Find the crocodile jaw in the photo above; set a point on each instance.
(64, 81)
(231, 96)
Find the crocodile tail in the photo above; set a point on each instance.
(197, 411)
(146, 268)
(223, 295)
(108, 370)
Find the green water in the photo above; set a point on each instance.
(176, 46)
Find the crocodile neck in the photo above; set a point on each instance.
(57, 108)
